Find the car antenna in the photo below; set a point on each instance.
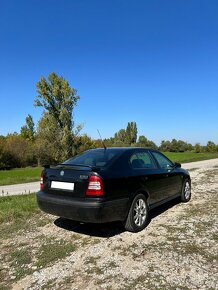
(101, 140)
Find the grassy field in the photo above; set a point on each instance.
(29, 174)
(20, 175)
(185, 157)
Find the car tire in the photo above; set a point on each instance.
(186, 191)
(138, 214)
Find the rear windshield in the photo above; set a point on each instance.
(98, 158)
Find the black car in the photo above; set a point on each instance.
(112, 184)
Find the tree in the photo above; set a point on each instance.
(85, 142)
(182, 146)
(190, 147)
(211, 146)
(144, 142)
(165, 146)
(197, 148)
(17, 148)
(48, 146)
(6, 159)
(175, 146)
(131, 133)
(109, 142)
(58, 99)
(120, 136)
(28, 130)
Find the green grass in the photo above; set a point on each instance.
(21, 257)
(19, 207)
(52, 250)
(185, 157)
(20, 175)
(19, 260)
(20, 213)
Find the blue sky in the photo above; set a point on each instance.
(152, 62)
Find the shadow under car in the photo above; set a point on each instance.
(111, 229)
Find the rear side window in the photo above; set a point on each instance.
(141, 160)
(94, 158)
(163, 161)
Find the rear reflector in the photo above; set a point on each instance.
(42, 181)
(95, 186)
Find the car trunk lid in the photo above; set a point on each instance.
(69, 180)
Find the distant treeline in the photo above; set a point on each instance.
(21, 150)
(56, 138)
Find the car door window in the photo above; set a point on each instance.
(162, 160)
(141, 160)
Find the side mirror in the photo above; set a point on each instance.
(177, 165)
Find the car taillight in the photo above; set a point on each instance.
(42, 181)
(95, 186)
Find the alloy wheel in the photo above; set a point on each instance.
(187, 190)
(140, 212)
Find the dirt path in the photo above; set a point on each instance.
(16, 189)
(201, 164)
(178, 249)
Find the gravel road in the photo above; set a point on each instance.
(201, 164)
(178, 249)
(16, 189)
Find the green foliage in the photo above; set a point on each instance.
(84, 142)
(165, 146)
(175, 146)
(144, 142)
(126, 137)
(120, 136)
(6, 159)
(58, 99)
(131, 133)
(28, 130)
(197, 148)
(48, 147)
(211, 147)
(109, 142)
(15, 151)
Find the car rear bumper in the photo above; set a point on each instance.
(86, 210)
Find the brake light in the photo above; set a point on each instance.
(95, 186)
(42, 181)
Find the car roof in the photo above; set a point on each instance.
(122, 148)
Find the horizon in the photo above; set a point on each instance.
(154, 63)
(98, 138)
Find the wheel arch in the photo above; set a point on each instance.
(145, 192)
(131, 225)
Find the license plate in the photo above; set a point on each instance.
(62, 185)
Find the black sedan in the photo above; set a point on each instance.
(112, 184)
